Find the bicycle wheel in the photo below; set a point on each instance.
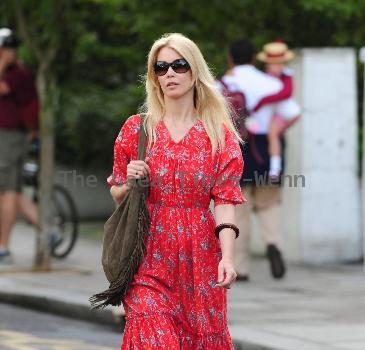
(65, 222)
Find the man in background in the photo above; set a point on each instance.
(18, 120)
(263, 198)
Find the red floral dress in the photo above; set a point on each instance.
(172, 303)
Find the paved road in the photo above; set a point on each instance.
(22, 329)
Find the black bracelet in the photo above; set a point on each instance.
(220, 227)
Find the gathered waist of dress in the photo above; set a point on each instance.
(179, 204)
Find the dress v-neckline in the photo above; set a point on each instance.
(185, 135)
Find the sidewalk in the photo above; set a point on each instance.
(312, 309)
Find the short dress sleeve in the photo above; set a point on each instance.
(125, 149)
(229, 169)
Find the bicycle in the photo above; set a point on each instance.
(65, 225)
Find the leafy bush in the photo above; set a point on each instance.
(89, 120)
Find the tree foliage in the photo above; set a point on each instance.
(101, 64)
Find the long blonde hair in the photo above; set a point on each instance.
(211, 106)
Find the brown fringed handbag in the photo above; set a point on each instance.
(124, 238)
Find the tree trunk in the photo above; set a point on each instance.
(47, 94)
(47, 91)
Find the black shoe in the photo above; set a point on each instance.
(242, 278)
(277, 265)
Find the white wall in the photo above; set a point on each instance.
(90, 191)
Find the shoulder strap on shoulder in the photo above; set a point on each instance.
(142, 139)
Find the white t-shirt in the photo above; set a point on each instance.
(255, 85)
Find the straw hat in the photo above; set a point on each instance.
(275, 52)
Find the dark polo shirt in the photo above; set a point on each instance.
(18, 108)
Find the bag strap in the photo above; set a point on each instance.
(223, 83)
(142, 139)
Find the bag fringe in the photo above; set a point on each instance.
(118, 288)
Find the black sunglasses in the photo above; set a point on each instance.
(180, 65)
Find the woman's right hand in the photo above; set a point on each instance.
(137, 169)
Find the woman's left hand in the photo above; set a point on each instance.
(226, 274)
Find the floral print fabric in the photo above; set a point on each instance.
(172, 302)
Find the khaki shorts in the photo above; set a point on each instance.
(12, 152)
(262, 197)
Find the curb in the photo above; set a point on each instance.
(61, 308)
(83, 312)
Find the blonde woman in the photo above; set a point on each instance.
(178, 297)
